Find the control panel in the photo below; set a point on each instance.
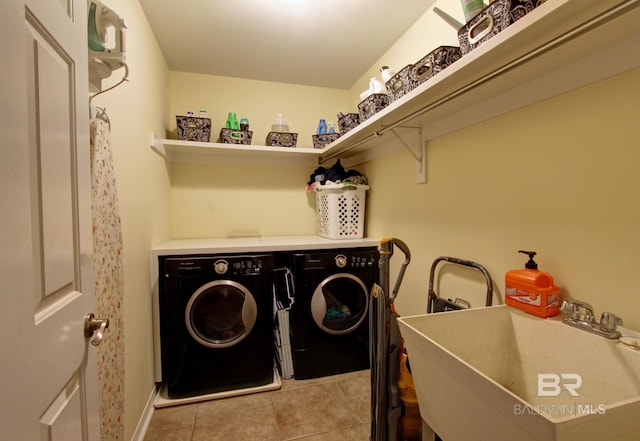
(240, 265)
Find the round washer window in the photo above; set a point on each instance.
(220, 314)
(340, 303)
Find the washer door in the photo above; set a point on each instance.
(339, 304)
(221, 314)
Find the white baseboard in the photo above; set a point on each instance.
(145, 418)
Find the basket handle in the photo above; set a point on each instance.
(488, 21)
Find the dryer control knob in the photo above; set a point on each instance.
(221, 266)
(341, 260)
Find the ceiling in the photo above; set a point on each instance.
(325, 43)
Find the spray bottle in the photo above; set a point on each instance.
(532, 290)
(471, 8)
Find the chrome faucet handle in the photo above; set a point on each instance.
(570, 308)
(565, 307)
(589, 317)
(609, 321)
(588, 310)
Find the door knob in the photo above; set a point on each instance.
(94, 328)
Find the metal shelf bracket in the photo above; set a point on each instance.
(419, 154)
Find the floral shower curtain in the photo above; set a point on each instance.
(109, 289)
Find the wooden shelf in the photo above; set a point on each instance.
(560, 46)
(191, 151)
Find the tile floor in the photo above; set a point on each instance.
(333, 408)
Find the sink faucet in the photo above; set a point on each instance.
(605, 328)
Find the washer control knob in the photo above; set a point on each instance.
(221, 266)
(341, 260)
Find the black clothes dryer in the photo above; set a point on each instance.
(329, 321)
(216, 326)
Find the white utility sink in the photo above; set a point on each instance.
(477, 377)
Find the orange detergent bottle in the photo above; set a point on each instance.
(531, 290)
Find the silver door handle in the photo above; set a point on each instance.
(94, 328)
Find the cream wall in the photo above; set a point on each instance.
(136, 108)
(242, 199)
(559, 177)
(236, 201)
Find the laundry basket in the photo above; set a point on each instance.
(340, 210)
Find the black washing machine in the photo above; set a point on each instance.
(216, 326)
(329, 321)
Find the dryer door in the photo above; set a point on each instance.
(221, 314)
(339, 304)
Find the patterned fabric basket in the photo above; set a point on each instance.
(321, 141)
(372, 105)
(191, 128)
(348, 122)
(433, 63)
(492, 20)
(281, 139)
(232, 136)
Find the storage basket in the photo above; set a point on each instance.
(348, 122)
(400, 84)
(492, 20)
(191, 128)
(233, 136)
(372, 105)
(433, 63)
(340, 210)
(321, 141)
(281, 139)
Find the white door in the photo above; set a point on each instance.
(47, 368)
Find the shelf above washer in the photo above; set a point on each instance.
(192, 151)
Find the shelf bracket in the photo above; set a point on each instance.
(158, 147)
(418, 154)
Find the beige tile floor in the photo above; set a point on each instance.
(333, 408)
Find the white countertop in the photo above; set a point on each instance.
(256, 244)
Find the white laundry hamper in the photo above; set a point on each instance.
(340, 210)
